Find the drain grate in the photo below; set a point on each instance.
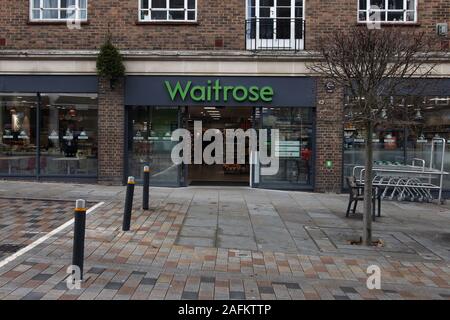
(10, 248)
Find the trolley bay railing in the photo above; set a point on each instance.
(409, 182)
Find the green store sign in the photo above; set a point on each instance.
(215, 92)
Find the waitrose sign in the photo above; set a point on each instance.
(172, 90)
(214, 91)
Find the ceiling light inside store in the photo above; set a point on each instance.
(440, 99)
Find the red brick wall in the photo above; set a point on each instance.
(325, 16)
(111, 135)
(217, 20)
(329, 136)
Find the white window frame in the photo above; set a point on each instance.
(262, 43)
(368, 11)
(59, 9)
(167, 9)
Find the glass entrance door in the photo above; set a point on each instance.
(294, 150)
(275, 25)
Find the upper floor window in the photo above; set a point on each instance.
(389, 11)
(58, 9)
(167, 10)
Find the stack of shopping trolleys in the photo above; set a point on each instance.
(415, 182)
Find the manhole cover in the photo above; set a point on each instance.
(10, 248)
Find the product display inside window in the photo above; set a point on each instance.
(400, 145)
(18, 134)
(68, 138)
(61, 142)
(295, 149)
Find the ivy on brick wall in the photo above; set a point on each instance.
(110, 63)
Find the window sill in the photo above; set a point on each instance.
(390, 24)
(53, 22)
(170, 23)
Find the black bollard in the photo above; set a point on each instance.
(128, 204)
(145, 195)
(79, 235)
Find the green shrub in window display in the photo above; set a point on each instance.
(110, 62)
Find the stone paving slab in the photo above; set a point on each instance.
(302, 255)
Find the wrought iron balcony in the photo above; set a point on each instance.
(275, 34)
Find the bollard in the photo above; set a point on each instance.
(145, 196)
(128, 204)
(79, 235)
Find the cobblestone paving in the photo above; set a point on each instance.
(189, 246)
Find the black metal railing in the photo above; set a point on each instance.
(275, 34)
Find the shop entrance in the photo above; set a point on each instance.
(220, 118)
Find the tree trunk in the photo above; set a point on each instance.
(367, 218)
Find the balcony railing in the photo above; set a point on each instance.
(275, 34)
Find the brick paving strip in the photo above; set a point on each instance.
(153, 261)
(37, 242)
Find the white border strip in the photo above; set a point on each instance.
(44, 238)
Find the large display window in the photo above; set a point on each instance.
(18, 134)
(401, 144)
(296, 146)
(150, 143)
(68, 134)
(48, 135)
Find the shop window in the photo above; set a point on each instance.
(68, 135)
(295, 150)
(45, 10)
(67, 132)
(401, 144)
(389, 11)
(18, 134)
(150, 143)
(167, 10)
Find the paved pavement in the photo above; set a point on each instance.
(219, 243)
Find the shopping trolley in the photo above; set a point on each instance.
(408, 182)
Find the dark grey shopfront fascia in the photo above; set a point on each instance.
(153, 114)
(48, 126)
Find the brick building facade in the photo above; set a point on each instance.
(212, 39)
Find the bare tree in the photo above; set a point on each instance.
(373, 66)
